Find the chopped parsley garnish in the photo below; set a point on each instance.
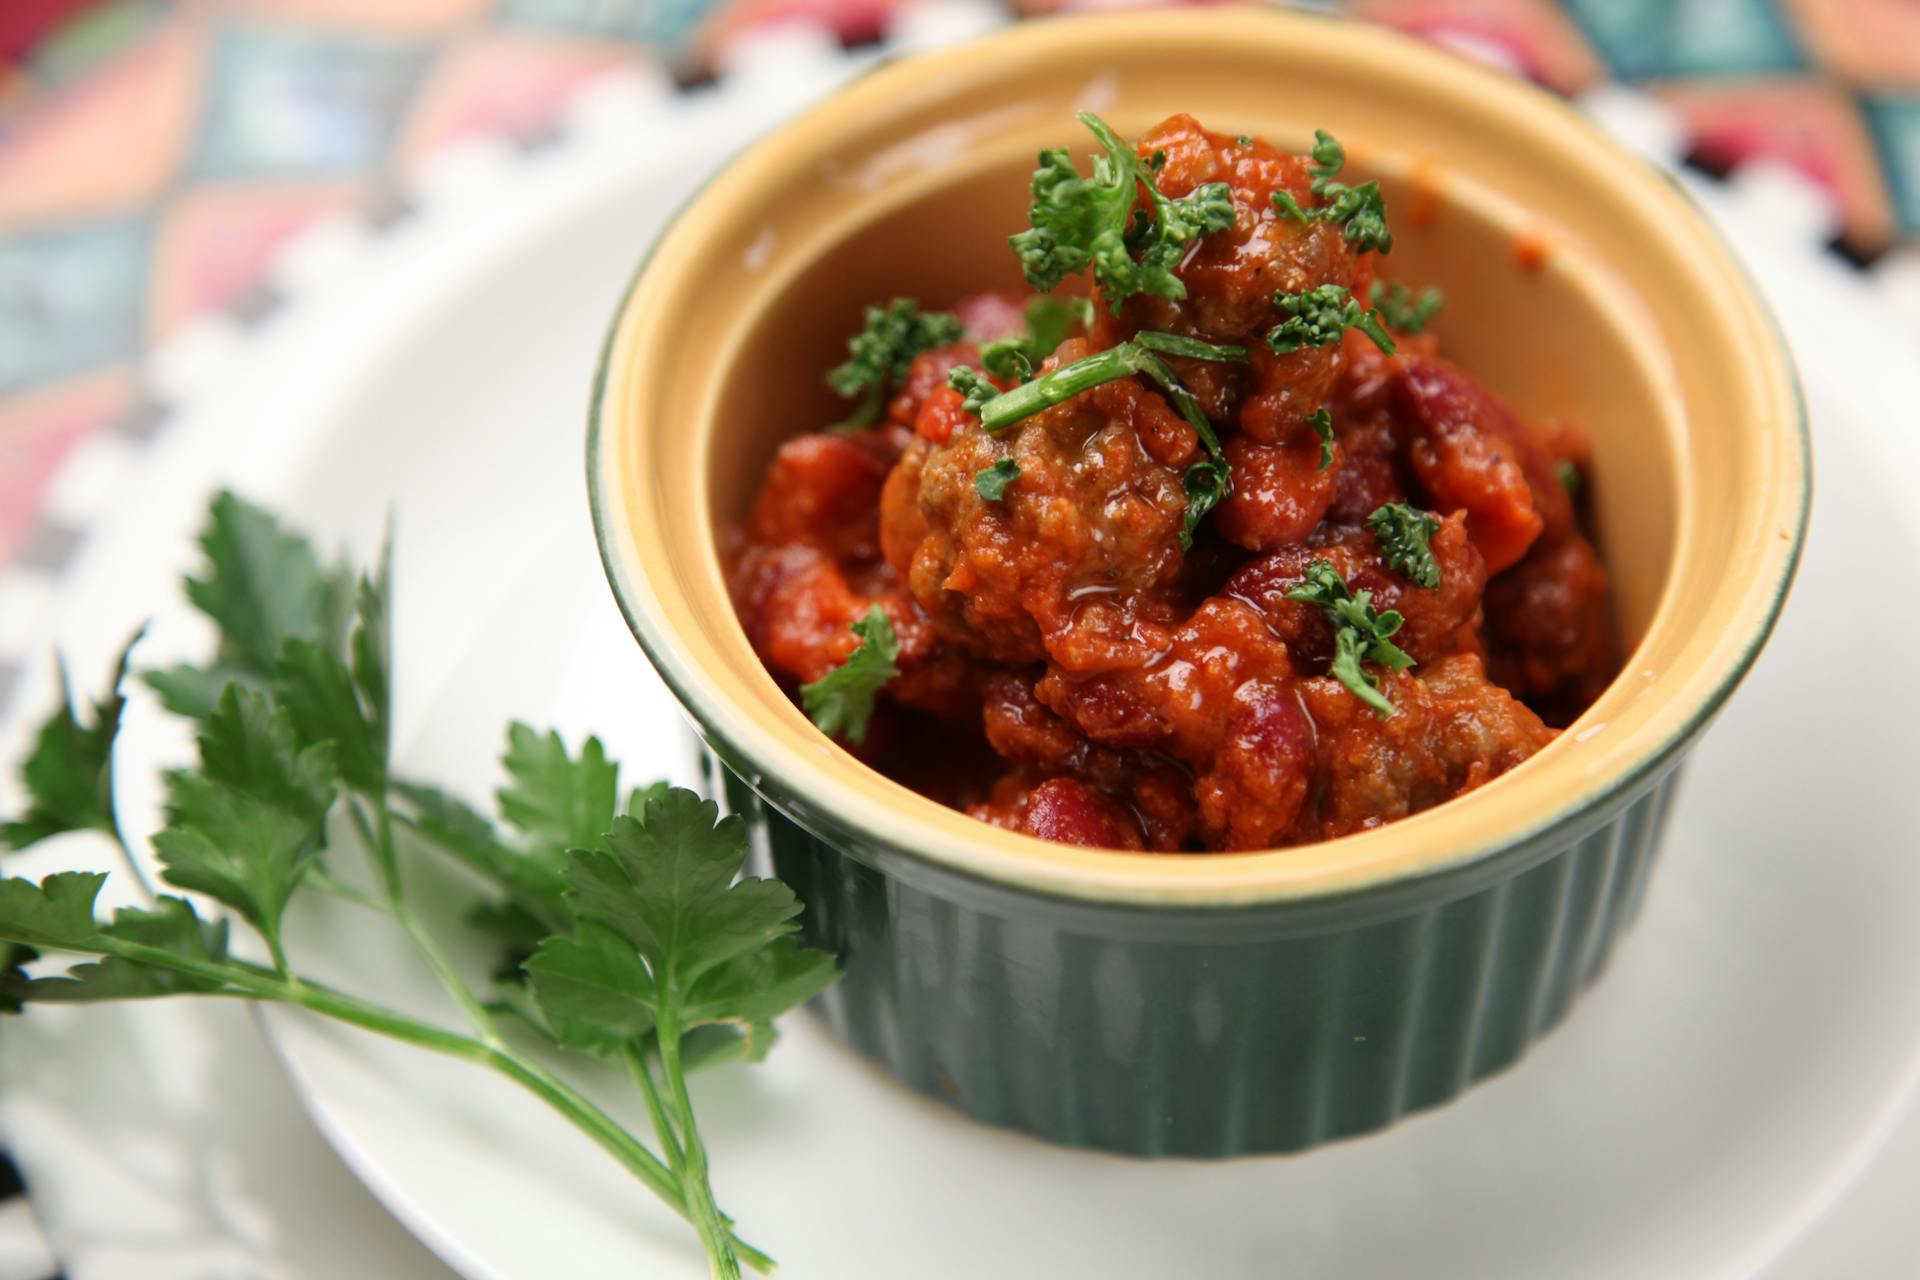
(1317, 317)
(1007, 360)
(1569, 476)
(879, 354)
(973, 385)
(1360, 212)
(1049, 321)
(1080, 223)
(1322, 423)
(1405, 534)
(1359, 634)
(1207, 483)
(1403, 309)
(841, 701)
(1002, 409)
(1172, 344)
(991, 482)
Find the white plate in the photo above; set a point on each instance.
(1752, 1046)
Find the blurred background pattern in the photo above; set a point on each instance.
(154, 154)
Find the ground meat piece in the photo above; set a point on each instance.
(1177, 701)
(1062, 810)
(1280, 493)
(823, 491)
(1550, 629)
(1025, 731)
(798, 609)
(1069, 556)
(1472, 453)
(926, 375)
(1451, 731)
(1215, 699)
(1250, 796)
(1432, 616)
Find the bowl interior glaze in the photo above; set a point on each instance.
(1580, 284)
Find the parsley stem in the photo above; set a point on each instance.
(656, 1110)
(1068, 381)
(253, 982)
(379, 841)
(701, 1210)
(328, 884)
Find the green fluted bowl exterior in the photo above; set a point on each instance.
(1207, 1033)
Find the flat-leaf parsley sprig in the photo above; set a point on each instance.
(1079, 222)
(638, 940)
(1359, 633)
(1360, 212)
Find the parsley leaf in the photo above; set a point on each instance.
(1006, 360)
(1079, 223)
(1358, 633)
(1322, 423)
(68, 776)
(879, 354)
(344, 701)
(1404, 533)
(667, 932)
(1403, 309)
(841, 701)
(556, 800)
(56, 913)
(172, 925)
(667, 939)
(1317, 317)
(1361, 211)
(262, 586)
(245, 827)
(1048, 322)
(1568, 475)
(1207, 484)
(991, 482)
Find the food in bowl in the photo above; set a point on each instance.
(1222, 556)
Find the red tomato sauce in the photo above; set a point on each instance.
(1069, 671)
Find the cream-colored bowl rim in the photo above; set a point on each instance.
(1554, 797)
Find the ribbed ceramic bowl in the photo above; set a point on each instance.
(1227, 1003)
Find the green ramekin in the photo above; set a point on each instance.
(1213, 1005)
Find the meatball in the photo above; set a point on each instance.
(1071, 554)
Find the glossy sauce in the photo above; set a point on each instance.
(1069, 672)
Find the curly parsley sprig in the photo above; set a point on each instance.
(1359, 633)
(878, 356)
(1403, 309)
(1317, 317)
(1360, 212)
(1404, 534)
(1080, 223)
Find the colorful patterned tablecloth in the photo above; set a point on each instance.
(154, 154)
